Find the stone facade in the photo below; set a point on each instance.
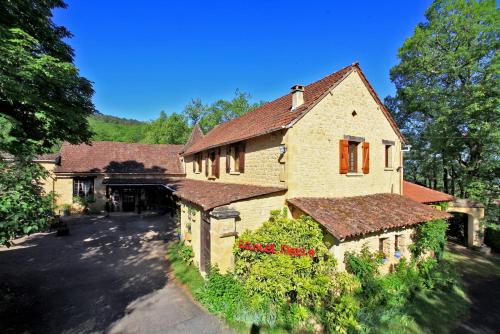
(312, 158)
(263, 166)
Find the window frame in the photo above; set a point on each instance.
(353, 147)
(78, 183)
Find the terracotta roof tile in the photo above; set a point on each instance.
(355, 216)
(277, 114)
(117, 157)
(210, 195)
(423, 194)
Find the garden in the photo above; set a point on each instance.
(285, 280)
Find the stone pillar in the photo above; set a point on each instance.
(222, 237)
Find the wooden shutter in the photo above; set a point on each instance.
(344, 153)
(228, 159)
(366, 157)
(241, 167)
(206, 164)
(216, 171)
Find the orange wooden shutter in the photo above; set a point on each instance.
(344, 153)
(366, 157)
(241, 167)
(228, 159)
(217, 163)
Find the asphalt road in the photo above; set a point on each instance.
(109, 275)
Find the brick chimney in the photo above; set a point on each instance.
(297, 96)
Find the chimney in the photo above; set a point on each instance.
(297, 96)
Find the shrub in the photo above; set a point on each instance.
(223, 294)
(430, 237)
(365, 265)
(186, 253)
(281, 277)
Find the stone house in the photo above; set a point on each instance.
(330, 150)
(113, 175)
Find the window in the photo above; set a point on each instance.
(349, 156)
(352, 161)
(83, 187)
(388, 156)
(235, 158)
(212, 164)
(383, 246)
(399, 242)
(197, 165)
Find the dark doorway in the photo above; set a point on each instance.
(457, 230)
(205, 243)
(129, 198)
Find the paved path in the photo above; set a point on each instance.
(109, 275)
(481, 275)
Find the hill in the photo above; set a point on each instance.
(113, 128)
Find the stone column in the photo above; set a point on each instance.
(222, 237)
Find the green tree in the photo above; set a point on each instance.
(43, 99)
(172, 129)
(23, 205)
(209, 116)
(447, 100)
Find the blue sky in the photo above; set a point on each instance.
(144, 57)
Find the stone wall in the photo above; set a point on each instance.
(262, 163)
(191, 229)
(339, 249)
(312, 158)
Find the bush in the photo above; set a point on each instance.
(430, 237)
(186, 253)
(281, 277)
(223, 294)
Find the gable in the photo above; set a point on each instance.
(355, 94)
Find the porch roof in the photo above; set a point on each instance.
(423, 194)
(136, 182)
(355, 216)
(210, 195)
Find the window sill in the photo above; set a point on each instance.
(388, 168)
(234, 173)
(354, 174)
(197, 172)
(211, 177)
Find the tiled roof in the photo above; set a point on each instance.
(277, 114)
(423, 194)
(355, 216)
(117, 157)
(210, 195)
(196, 134)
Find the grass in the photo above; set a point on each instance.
(186, 274)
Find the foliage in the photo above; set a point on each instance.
(24, 208)
(187, 274)
(430, 237)
(43, 99)
(172, 129)
(223, 294)
(186, 253)
(84, 202)
(109, 128)
(447, 101)
(365, 265)
(280, 277)
(220, 111)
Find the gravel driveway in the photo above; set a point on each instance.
(109, 275)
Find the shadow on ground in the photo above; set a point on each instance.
(83, 282)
